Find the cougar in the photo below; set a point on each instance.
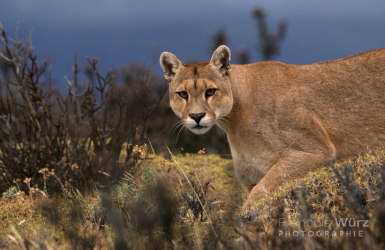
(282, 120)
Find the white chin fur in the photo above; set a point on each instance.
(199, 131)
(205, 123)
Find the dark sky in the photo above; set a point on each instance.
(121, 31)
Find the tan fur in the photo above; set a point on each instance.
(283, 120)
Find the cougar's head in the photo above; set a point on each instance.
(200, 93)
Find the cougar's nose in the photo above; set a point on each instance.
(197, 116)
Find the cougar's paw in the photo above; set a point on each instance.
(247, 212)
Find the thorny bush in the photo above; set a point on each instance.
(92, 125)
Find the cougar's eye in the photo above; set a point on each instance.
(183, 94)
(210, 92)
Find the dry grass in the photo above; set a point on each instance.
(160, 207)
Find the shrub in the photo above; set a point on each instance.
(80, 134)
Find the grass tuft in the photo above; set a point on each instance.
(192, 201)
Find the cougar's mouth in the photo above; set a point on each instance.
(199, 127)
(199, 130)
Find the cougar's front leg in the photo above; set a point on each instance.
(296, 164)
(317, 150)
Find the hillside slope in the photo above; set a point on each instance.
(192, 201)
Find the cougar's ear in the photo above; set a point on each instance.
(221, 60)
(169, 64)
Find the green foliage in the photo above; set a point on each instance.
(12, 192)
